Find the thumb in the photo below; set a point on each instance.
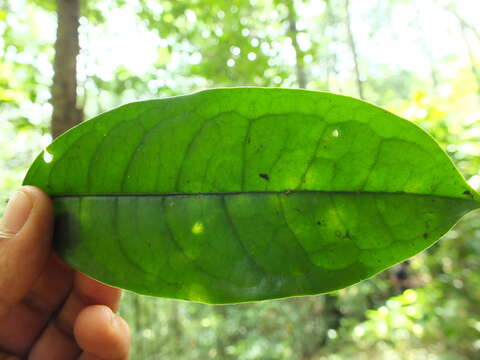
(25, 236)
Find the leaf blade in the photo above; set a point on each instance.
(259, 165)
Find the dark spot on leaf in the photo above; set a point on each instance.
(264, 176)
(249, 140)
(467, 192)
(425, 235)
(65, 223)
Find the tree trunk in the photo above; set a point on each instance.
(353, 49)
(299, 56)
(64, 88)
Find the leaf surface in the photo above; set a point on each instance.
(244, 194)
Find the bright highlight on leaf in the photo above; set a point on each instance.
(47, 157)
(197, 228)
(245, 194)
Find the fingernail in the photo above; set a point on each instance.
(16, 214)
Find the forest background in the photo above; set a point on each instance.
(418, 59)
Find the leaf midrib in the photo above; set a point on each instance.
(283, 192)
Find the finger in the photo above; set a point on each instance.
(57, 341)
(51, 288)
(23, 323)
(5, 356)
(101, 334)
(25, 236)
(24, 243)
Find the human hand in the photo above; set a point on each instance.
(47, 310)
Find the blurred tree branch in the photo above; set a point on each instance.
(353, 49)
(464, 27)
(471, 56)
(332, 59)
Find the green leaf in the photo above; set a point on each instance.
(243, 194)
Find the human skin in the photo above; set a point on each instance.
(48, 310)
